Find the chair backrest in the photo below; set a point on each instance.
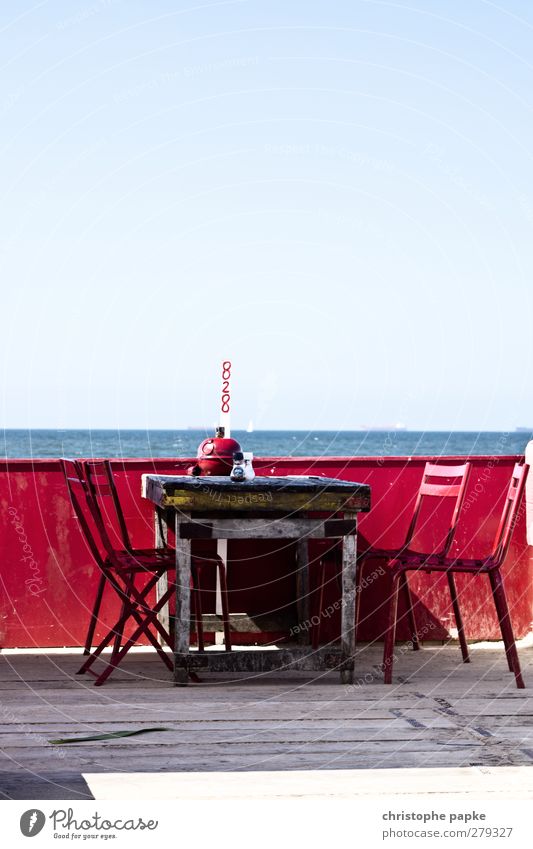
(509, 515)
(86, 510)
(440, 482)
(102, 487)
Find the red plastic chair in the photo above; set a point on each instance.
(122, 570)
(438, 482)
(102, 486)
(489, 565)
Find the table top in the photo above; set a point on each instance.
(264, 493)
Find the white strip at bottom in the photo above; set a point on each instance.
(460, 782)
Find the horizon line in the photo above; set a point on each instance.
(199, 429)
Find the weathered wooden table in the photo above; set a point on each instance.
(265, 508)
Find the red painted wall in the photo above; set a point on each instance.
(48, 578)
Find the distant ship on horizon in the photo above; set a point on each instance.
(386, 428)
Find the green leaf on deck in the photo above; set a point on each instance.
(112, 735)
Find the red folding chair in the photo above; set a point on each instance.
(438, 482)
(122, 570)
(489, 565)
(99, 476)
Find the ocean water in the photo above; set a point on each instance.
(264, 443)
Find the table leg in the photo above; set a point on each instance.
(222, 551)
(302, 591)
(183, 601)
(160, 533)
(349, 558)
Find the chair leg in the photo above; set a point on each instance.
(138, 603)
(502, 609)
(499, 611)
(458, 617)
(410, 611)
(225, 605)
(94, 615)
(358, 581)
(130, 610)
(111, 635)
(117, 642)
(142, 628)
(117, 656)
(315, 634)
(390, 634)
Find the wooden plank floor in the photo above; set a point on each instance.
(439, 713)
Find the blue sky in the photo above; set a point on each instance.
(334, 195)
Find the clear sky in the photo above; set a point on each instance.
(335, 195)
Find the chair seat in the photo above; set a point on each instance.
(403, 554)
(421, 561)
(434, 563)
(431, 562)
(150, 560)
(141, 560)
(408, 560)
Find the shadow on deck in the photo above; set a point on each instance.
(443, 725)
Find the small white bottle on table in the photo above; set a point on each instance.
(249, 473)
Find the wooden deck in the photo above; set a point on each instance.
(439, 715)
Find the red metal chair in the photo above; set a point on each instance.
(121, 569)
(438, 482)
(102, 486)
(99, 476)
(489, 565)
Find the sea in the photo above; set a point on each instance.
(264, 443)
